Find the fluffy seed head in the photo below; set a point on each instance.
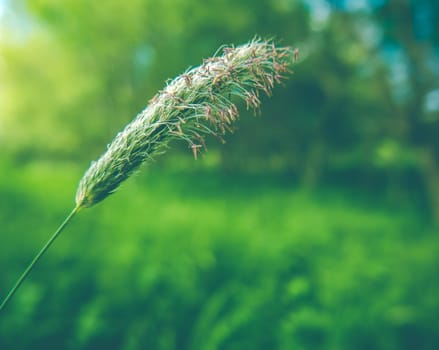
(196, 103)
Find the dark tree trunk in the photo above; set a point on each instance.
(430, 172)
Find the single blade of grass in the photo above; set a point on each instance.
(196, 103)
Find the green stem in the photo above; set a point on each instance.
(37, 257)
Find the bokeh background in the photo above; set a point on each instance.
(314, 227)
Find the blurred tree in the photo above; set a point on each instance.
(410, 44)
(83, 70)
(121, 53)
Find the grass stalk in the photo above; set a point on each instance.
(201, 101)
(37, 258)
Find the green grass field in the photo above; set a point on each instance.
(208, 260)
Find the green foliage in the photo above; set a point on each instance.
(208, 261)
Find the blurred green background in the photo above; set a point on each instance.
(314, 227)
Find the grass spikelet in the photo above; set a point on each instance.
(197, 103)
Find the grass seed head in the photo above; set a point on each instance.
(197, 103)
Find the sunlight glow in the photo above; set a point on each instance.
(2, 8)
